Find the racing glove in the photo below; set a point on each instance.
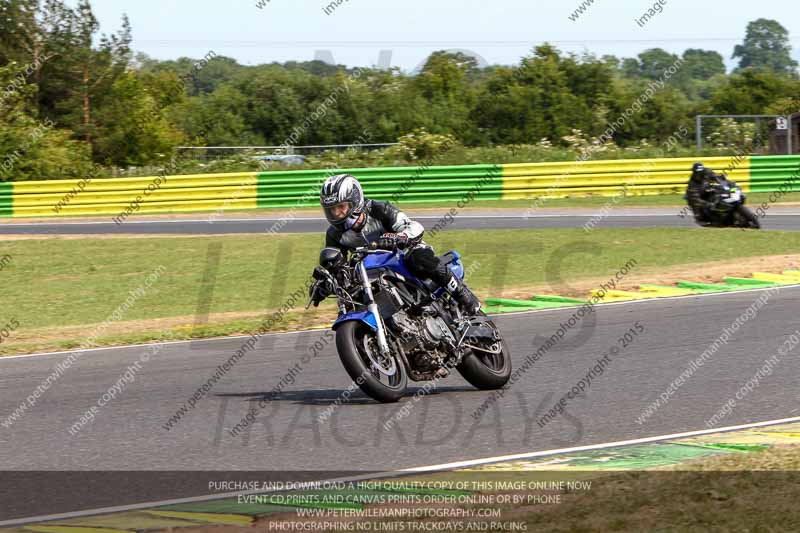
(390, 241)
(320, 289)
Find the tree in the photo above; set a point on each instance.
(33, 148)
(752, 92)
(547, 96)
(97, 70)
(702, 64)
(134, 122)
(651, 64)
(445, 74)
(444, 84)
(217, 120)
(766, 47)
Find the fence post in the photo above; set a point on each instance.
(699, 129)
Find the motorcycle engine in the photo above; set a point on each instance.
(436, 331)
(422, 337)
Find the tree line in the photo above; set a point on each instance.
(72, 98)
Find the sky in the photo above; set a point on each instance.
(497, 31)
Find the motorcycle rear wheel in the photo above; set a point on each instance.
(485, 370)
(358, 351)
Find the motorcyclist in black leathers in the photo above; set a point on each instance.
(357, 221)
(701, 178)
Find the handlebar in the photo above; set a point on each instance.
(371, 249)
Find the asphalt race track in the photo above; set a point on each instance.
(778, 218)
(129, 433)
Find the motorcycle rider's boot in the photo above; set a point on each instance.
(461, 293)
(703, 222)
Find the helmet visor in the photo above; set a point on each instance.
(337, 213)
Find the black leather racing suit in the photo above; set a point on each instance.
(695, 194)
(383, 217)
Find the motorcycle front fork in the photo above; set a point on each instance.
(372, 307)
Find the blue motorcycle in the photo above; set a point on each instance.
(393, 326)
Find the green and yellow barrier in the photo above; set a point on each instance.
(285, 189)
(610, 178)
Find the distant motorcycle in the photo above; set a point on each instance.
(393, 326)
(728, 209)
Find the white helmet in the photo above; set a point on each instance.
(342, 199)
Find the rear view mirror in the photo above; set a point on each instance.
(330, 257)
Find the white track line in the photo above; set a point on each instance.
(406, 472)
(513, 313)
(631, 442)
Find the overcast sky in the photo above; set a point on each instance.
(501, 31)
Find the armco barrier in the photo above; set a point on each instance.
(609, 178)
(284, 189)
(407, 184)
(6, 195)
(768, 173)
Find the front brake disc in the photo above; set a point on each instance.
(387, 370)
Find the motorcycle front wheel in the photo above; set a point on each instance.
(381, 378)
(746, 218)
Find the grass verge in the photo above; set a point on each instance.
(60, 289)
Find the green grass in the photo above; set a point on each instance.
(79, 282)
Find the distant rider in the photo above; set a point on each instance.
(696, 191)
(357, 221)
